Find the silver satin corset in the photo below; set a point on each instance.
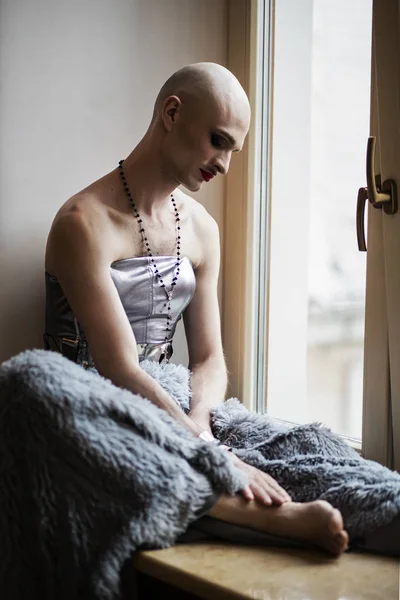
(143, 299)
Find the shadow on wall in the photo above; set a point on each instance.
(22, 299)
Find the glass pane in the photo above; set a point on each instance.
(321, 103)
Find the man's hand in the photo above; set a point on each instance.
(262, 487)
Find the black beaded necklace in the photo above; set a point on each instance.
(169, 293)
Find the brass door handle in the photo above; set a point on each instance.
(379, 194)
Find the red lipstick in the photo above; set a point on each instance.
(206, 175)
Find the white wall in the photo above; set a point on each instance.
(78, 80)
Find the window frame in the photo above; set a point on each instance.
(381, 432)
(244, 315)
(244, 318)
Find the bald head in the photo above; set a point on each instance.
(205, 86)
(201, 116)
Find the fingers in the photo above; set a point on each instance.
(268, 491)
(247, 493)
(262, 486)
(254, 492)
(266, 496)
(262, 495)
(274, 485)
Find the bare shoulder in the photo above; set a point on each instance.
(205, 231)
(84, 204)
(78, 252)
(79, 227)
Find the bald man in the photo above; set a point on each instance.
(130, 253)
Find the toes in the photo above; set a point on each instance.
(344, 540)
(341, 542)
(336, 522)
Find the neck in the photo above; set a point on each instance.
(149, 183)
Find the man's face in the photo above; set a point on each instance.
(202, 141)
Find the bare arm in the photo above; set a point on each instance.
(207, 363)
(203, 333)
(82, 266)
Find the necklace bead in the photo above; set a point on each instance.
(174, 282)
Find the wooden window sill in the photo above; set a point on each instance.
(222, 571)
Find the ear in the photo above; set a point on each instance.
(171, 107)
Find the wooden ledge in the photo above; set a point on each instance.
(224, 571)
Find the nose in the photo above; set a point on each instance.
(222, 162)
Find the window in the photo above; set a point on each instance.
(296, 345)
(316, 275)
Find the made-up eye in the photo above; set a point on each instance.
(216, 140)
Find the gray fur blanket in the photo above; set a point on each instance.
(89, 473)
(309, 461)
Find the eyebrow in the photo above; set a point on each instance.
(230, 139)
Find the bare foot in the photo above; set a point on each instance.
(315, 522)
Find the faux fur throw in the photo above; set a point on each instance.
(89, 473)
(309, 461)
